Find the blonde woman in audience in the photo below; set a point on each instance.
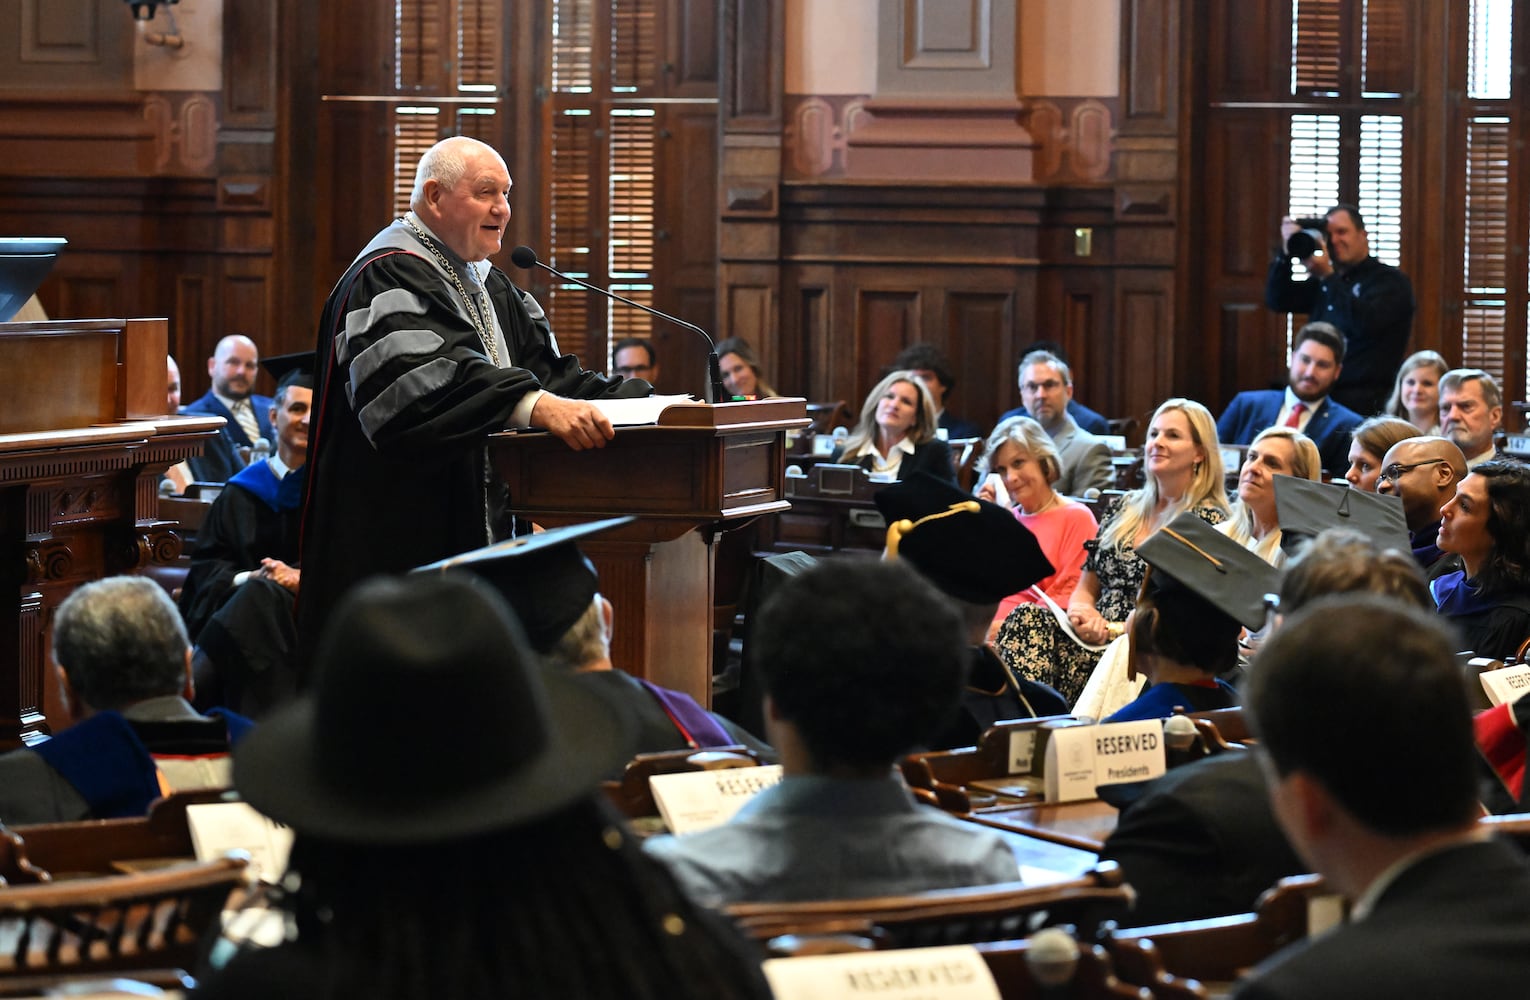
(1022, 455)
(1416, 396)
(1183, 466)
(896, 436)
(1276, 451)
(1370, 444)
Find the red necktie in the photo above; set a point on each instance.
(1295, 419)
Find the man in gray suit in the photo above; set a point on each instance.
(1046, 386)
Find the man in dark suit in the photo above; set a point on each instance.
(1317, 357)
(1366, 738)
(232, 397)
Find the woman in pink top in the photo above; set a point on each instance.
(1024, 459)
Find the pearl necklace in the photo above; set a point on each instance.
(482, 324)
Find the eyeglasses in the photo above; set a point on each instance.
(1393, 472)
(1049, 385)
(627, 371)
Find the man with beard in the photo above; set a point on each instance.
(232, 397)
(1317, 358)
(1371, 303)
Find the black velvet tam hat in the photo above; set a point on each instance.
(1189, 554)
(521, 743)
(291, 369)
(544, 576)
(973, 550)
(1306, 508)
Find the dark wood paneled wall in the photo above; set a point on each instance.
(170, 199)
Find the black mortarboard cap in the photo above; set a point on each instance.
(971, 549)
(1306, 508)
(1192, 554)
(545, 578)
(291, 369)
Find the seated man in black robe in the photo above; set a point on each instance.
(977, 553)
(238, 598)
(554, 591)
(125, 670)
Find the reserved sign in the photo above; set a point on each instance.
(698, 800)
(1508, 684)
(1082, 758)
(951, 973)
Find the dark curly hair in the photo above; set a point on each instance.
(1508, 566)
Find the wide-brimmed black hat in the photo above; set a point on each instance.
(973, 550)
(520, 743)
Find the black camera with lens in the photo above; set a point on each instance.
(1305, 241)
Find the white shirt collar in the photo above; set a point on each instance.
(1381, 883)
(278, 467)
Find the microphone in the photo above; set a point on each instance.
(525, 258)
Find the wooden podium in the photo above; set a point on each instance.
(84, 441)
(698, 468)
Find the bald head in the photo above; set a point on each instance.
(233, 366)
(462, 194)
(1428, 470)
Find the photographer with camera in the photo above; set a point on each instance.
(1370, 302)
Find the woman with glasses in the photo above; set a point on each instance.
(1487, 524)
(1183, 466)
(1416, 395)
(1370, 443)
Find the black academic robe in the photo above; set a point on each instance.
(404, 400)
(254, 518)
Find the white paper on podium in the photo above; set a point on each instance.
(956, 972)
(638, 411)
(698, 800)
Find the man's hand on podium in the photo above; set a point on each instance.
(575, 422)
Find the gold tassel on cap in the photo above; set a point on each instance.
(898, 529)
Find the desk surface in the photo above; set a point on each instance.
(1080, 825)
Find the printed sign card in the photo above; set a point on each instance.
(697, 800)
(1508, 684)
(951, 973)
(1081, 758)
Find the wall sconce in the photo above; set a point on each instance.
(144, 11)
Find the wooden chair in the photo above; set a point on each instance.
(1138, 963)
(1227, 724)
(945, 916)
(942, 777)
(965, 453)
(1217, 950)
(634, 799)
(824, 417)
(149, 920)
(1092, 977)
(1514, 827)
(48, 851)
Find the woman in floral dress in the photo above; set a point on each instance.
(1184, 472)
